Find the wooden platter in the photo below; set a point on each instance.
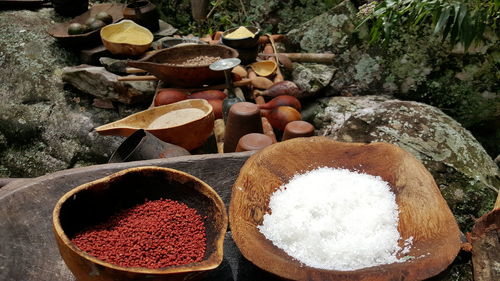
(60, 30)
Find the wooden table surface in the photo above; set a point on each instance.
(27, 247)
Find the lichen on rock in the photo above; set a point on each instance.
(328, 32)
(45, 127)
(312, 77)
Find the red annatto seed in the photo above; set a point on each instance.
(155, 234)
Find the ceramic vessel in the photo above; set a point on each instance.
(298, 129)
(70, 8)
(244, 118)
(143, 13)
(143, 145)
(253, 141)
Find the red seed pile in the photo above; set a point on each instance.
(155, 234)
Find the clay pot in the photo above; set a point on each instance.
(298, 129)
(70, 8)
(253, 141)
(244, 118)
(143, 13)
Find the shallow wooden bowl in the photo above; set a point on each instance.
(93, 201)
(424, 213)
(123, 47)
(165, 64)
(189, 135)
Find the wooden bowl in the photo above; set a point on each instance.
(86, 204)
(165, 64)
(60, 30)
(190, 135)
(113, 38)
(424, 213)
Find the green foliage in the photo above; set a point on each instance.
(270, 15)
(462, 21)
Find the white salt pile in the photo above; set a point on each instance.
(335, 219)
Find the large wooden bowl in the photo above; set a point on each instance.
(189, 135)
(91, 202)
(164, 64)
(424, 213)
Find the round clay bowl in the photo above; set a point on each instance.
(189, 135)
(424, 213)
(112, 37)
(98, 199)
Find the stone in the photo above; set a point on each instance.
(413, 64)
(166, 29)
(464, 172)
(311, 77)
(98, 82)
(328, 32)
(44, 126)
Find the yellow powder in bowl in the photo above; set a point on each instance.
(130, 35)
(240, 33)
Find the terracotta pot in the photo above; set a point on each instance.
(143, 13)
(70, 8)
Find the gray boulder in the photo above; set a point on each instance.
(44, 126)
(466, 175)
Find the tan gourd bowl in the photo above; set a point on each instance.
(118, 38)
(424, 213)
(189, 135)
(95, 200)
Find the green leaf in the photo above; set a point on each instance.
(461, 15)
(443, 19)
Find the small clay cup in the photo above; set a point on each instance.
(298, 129)
(253, 141)
(243, 118)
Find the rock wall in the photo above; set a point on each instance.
(45, 126)
(413, 65)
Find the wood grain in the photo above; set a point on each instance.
(28, 249)
(424, 214)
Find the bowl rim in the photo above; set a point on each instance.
(256, 33)
(234, 54)
(205, 103)
(126, 22)
(213, 260)
(117, 124)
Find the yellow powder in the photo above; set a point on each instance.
(241, 32)
(130, 35)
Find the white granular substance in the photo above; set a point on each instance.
(335, 219)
